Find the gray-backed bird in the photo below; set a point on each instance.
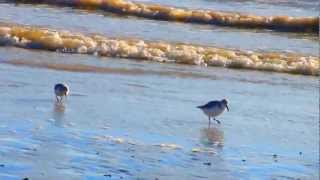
(214, 109)
(61, 90)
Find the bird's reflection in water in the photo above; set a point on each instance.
(212, 137)
(58, 113)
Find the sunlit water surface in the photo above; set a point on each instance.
(138, 120)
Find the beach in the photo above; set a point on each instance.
(136, 118)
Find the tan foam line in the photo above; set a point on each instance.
(68, 42)
(154, 11)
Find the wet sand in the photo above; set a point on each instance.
(145, 125)
(136, 119)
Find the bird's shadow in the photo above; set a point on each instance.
(212, 136)
(59, 109)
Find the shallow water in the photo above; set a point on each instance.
(139, 125)
(133, 119)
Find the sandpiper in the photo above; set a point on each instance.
(214, 109)
(61, 90)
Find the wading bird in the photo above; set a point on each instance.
(214, 109)
(61, 90)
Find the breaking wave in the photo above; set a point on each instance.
(161, 12)
(69, 42)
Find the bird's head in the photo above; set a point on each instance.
(66, 88)
(225, 102)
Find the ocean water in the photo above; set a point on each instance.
(135, 119)
(115, 26)
(258, 7)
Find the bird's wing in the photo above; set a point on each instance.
(209, 104)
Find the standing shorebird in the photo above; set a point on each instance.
(214, 109)
(61, 90)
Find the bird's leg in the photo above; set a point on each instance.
(217, 121)
(209, 122)
(57, 99)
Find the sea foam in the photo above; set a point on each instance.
(70, 42)
(162, 12)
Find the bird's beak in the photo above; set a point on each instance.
(227, 107)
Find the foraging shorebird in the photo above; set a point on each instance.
(214, 109)
(61, 90)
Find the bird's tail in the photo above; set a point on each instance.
(200, 107)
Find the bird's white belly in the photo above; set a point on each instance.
(214, 111)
